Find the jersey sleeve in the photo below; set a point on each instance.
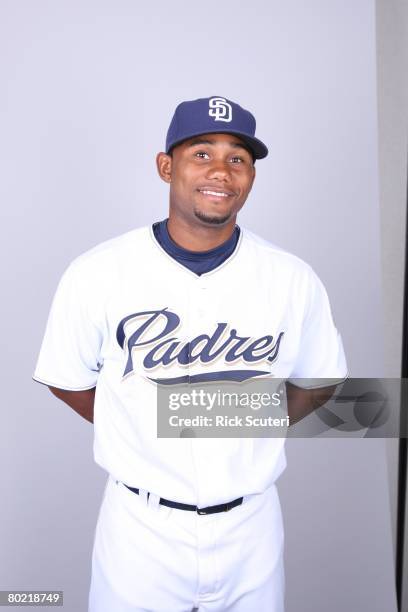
(70, 352)
(320, 360)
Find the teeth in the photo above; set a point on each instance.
(216, 193)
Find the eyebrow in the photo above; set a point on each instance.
(205, 141)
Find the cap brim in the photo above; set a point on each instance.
(257, 146)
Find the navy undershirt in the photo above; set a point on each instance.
(197, 262)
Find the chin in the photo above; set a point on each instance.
(211, 219)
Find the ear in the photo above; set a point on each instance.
(164, 164)
(253, 176)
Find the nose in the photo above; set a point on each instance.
(219, 170)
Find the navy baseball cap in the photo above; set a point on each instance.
(214, 115)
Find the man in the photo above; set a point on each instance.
(189, 523)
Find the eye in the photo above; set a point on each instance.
(201, 154)
(237, 159)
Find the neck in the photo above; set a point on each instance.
(196, 237)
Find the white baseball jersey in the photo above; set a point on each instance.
(126, 315)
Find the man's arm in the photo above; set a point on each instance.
(302, 402)
(81, 401)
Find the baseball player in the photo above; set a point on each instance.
(190, 523)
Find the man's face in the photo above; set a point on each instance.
(210, 178)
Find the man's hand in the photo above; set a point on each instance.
(302, 402)
(81, 401)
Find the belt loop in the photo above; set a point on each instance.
(144, 496)
(153, 501)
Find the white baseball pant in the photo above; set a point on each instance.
(149, 558)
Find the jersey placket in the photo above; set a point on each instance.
(199, 322)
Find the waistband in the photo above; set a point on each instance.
(189, 507)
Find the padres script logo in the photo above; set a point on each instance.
(220, 109)
(164, 348)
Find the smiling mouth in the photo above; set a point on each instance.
(215, 193)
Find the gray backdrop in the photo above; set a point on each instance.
(90, 88)
(392, 87)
